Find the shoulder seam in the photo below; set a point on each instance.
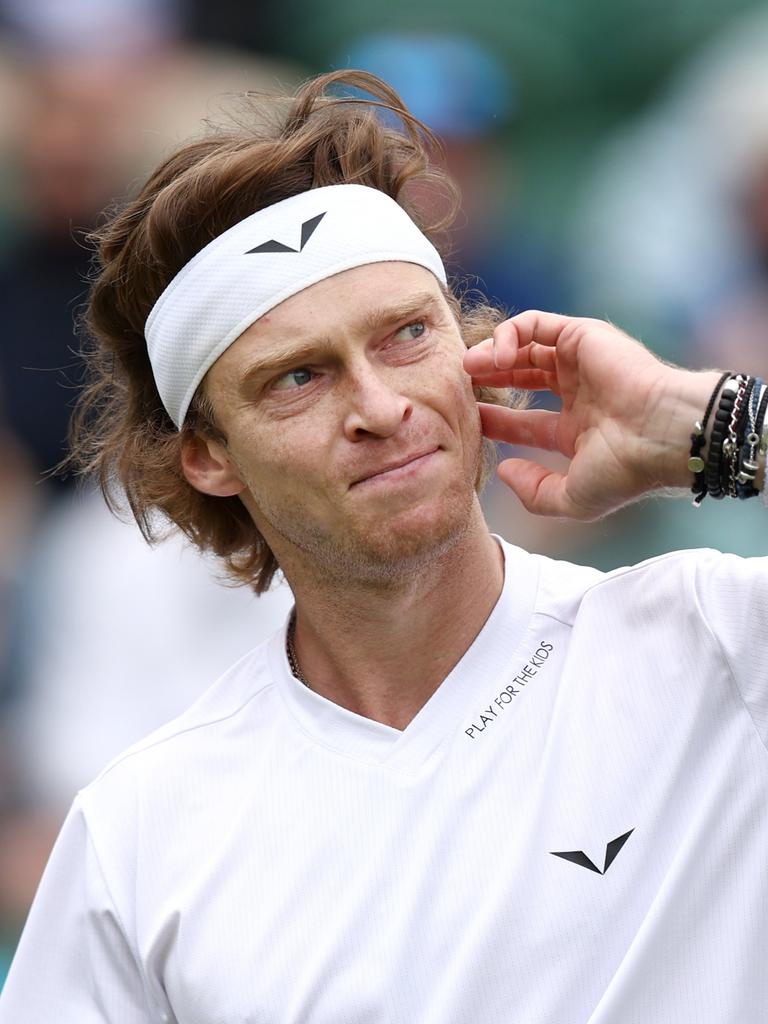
(150, 744)
(626, 570)
(667, 556)
(725, 659)
(607, 577)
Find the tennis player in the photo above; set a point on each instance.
(464, 783)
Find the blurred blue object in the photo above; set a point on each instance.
(451, 82)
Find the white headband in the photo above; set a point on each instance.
(262, 261)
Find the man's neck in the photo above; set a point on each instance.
(382, 654)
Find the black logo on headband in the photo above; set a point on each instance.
(307, 230)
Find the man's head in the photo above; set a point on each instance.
(348, 426)
(373, 355)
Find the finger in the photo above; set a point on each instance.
(539, 357)
(524, 380)
(542, 491)
(521, 330)
(479, 360)
(534, 428)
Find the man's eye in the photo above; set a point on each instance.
(297, 378)
(411, 332)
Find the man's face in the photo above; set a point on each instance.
(352, 424)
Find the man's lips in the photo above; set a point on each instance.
(390, 467)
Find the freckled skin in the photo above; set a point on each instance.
(373, 397)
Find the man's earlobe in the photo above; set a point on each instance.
(208, 468)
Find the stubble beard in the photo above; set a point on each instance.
(377, 557)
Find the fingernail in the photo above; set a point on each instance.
(495, 361)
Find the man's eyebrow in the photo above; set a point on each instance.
(372, 320)
(284, 359)
(381, 316)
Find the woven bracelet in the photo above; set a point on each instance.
(696, 463)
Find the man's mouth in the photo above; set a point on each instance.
(397, 468)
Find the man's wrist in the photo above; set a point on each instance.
(682, 403)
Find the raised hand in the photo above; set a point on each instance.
(625, 420)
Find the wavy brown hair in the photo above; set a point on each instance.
(277, 147)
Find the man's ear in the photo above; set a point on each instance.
(207, 466)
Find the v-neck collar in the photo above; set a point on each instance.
(345, 732)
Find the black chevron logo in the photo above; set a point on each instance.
(611, 850)
(307, 230)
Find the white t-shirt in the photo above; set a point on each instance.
(573, 830)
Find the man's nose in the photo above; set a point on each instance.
(376, 406)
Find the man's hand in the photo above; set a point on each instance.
(625, 421)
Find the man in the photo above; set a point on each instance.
(464, 783)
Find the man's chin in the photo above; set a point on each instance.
(398, 545)
(377, 544)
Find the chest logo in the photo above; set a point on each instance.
(611, 850)
(307, 230)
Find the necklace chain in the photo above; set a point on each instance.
(290, 650)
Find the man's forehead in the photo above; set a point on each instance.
(357, 306)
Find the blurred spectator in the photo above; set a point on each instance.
(80, 72)
(735, 329)
(97, 92)
(672, 239)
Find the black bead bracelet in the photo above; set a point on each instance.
(696, 463)
(719, 431)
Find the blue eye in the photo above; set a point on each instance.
(297, 378)
(412, 331)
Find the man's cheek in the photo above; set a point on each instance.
(460, 411)
(462, 395)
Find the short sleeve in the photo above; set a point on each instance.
(74, 963)
(733, 596)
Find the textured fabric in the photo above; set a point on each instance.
(573, 830)
(262, 261)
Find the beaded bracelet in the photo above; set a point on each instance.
(712, 469)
